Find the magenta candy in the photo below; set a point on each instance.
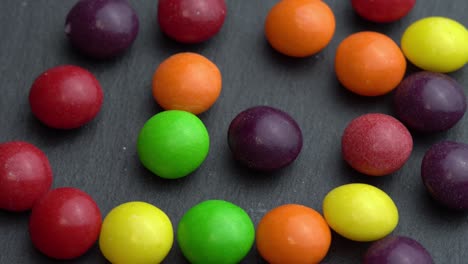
(376, 144)
(444, 172)
(383, 10)
(102, 28)
(429, 102)
(264, 138)
(397, 250)
(191, 21)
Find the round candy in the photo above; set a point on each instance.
(300, 28)
(187, 81)
(25, 175)
(264, 138)
(102, 28)
(65, 223)
(136, 232)
(214, 232)
(172, 144)
(65, 97)
(429, 102)
(376, 144)
(293, 234)
(397, 250)
(436, 44)
(369, 63)
(191, 21)
(383, 10)
(444, 171)
(360, 212)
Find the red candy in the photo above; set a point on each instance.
(191, 21)
(65, 223)
(376, 144)
(25, 175)
(383, 10)
(65, 97)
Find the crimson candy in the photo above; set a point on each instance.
(444, 172)
(429, 102)
(25, 175)
(264, 138)
(191, 21)
(383, 10)
(65, 223)
(397, 250)
(102, 28)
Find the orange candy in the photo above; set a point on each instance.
(300, 28)
(369, 63)
(187, 81)
(293, 233)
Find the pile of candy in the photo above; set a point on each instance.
(66, 222)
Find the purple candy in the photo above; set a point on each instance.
(444, 171)
(264, 138)
(429, 102)
(397, 250)
(102, 28)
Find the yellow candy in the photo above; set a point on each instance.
(136, 232)
(436, 44)
(360, 212)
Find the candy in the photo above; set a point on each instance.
(136, 232)
(187, 81)
(436, 44)
(65, 223)
(300, 28)
(214, 232)
(369, 63)
(429, 102)
(383, 10)
(264, 138)
(360, 212)
(397, 250)
(293, 234)
(25, 175)
(376, 144)
(102, 28)
(444, 172)
(173, 143)
(65, 97)
(191, 21)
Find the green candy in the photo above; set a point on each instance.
(173, 143)
(215, 232)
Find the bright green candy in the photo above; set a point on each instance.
(215, 232)
(173, 144)
(436, 44)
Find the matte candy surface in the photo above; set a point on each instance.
(429, 102)
(444, 171)
(214, 232)
(383, 10)
(360, 212)
(376, 144)
(369, 63)
(436, 44)
(65, 97)
(264, 138)
(173, 143)
(191, 21)
(397, 250)
(293, 233)
(25, 175)
(136, 232)
(65, 223)
(102, 28)
(300, 28)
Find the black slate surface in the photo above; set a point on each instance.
(101, 159)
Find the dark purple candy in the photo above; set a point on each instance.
(444, 171)
(397, 250)
(429, 102)
(264, 138)
(102, 28)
